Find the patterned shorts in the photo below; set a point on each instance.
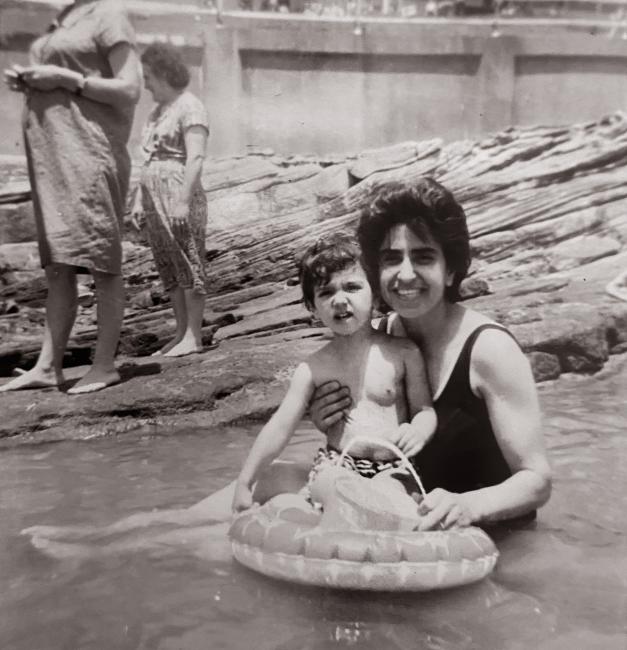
(363, 466)
(179, 256)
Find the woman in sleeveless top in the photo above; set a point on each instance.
(170, 201)
(486, 462)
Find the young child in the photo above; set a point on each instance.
(386, 375)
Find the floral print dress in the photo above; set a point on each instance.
(179, 257)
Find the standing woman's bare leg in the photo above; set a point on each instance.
(177, 298)
(109, 311)
(61, 304)
(192, 339)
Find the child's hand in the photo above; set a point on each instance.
(410, 439)
(243, 498)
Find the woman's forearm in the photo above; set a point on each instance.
(523, 492)
(115, 92)
(193, 170)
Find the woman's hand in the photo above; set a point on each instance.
(47, 77)
(14, 78)
(444, 509)
(179, 218)
(329, 404)
(243, 497)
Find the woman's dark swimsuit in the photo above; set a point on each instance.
(463, 454)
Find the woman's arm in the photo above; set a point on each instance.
(501, 375)
(275, 434)
(123, 89)
(195, 145)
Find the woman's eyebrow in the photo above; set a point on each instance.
(417, 249)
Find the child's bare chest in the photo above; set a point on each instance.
(373, 378)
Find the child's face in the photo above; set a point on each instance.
(344, 303)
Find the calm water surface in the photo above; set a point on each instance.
(561, 585)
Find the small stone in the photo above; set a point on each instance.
(473, 288)
(143, 300)
(544, 365)
(9, 307)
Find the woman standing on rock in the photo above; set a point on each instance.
(170, 200)
(486, 461)
(80, 91)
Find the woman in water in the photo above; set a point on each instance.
(486, 461)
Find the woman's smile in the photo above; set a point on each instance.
(408, 294)
(413, 273)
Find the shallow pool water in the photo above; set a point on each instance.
(560, 585)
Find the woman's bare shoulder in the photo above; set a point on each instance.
(471, 319)
(497, 359)
(398, 345)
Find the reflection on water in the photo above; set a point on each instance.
(558, 586)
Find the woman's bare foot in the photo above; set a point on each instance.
(34, 378)
(72, 534)
(64, 551)
(65, 533)
(168, 346)
(186, 346)
(95, 380)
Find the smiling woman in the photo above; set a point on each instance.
(486, 461)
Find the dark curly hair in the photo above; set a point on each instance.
(166, 63)
(429, 210)
(329, 254)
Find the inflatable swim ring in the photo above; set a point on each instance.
(288, 539)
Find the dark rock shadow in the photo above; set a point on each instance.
(127, 371)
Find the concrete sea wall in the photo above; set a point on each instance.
(297, 83)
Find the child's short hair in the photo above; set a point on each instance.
(329, 254)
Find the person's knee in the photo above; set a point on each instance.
(108, 282)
